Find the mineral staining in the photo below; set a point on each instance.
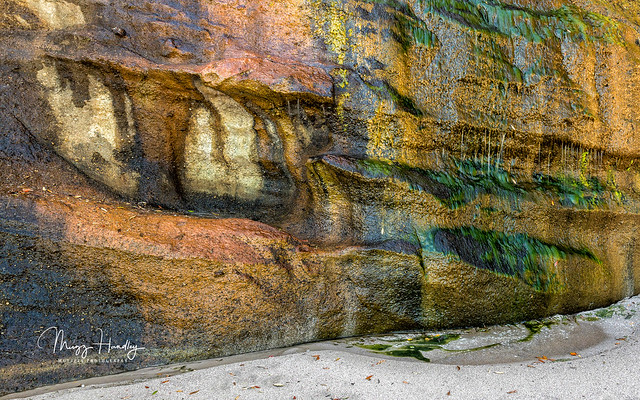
(91, 137)
(222, 163)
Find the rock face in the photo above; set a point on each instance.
(209, 178)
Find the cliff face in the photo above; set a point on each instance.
(220, 177)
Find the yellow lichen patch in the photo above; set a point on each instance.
(337, 39)
(382, 129)
(331, 26)
(341, 74)
(340, 110)
(342, 83)
(412, 137)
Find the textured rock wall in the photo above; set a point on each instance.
(220, 177)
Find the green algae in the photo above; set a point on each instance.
(461, 181)
(515, 255)
(583, 192)
(534, 327)
(455, 186)
(414, 348)
(498, 18)
(493, 26)
(611, 311)
(375, 347)
(429, 341)
(407, 352)
(507, 20)
(412, 32)
(403, 102)
(411, 347)
(497, 26)
(612, 186)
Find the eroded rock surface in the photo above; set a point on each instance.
(208, 178)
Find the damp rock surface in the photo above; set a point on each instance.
(211, 178)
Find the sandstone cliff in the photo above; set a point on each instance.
(210, 178)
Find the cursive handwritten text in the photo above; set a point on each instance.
(104, 346)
